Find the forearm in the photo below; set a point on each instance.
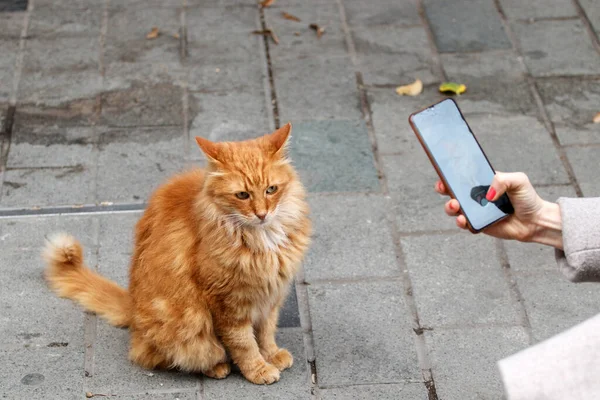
(549, 226)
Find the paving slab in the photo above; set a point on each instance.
(132, 163)
(12, 24)
(519, 143)
(457, 280)
(393, 55)
(317, 88)
(413, 391)
(390, 118)
(298, 40)
(339, 223)
(411, 179)
(495, 82)
(30, 187)
(171, 395)
(60, 70)
(42, 373)
(592, 12)
(48, 22)
(14, 5)
(385, 12)
(554, 304)
(557, 48)
(464, 360)
(584, 161)
(112, 372)
(230, 18)
(56, 119)
(535, 9)
(334, 156)
(457, 25)
(9, 49)
(571, 105)
(371, 344)
(292, 385)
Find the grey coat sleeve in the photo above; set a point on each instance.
(580, 260)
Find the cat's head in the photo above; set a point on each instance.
(252, 183)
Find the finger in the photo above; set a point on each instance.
(461, 222)
(506, 182)
(441, 188)
(452, 207)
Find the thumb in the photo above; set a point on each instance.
(506, 182)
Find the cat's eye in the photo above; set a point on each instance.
(271, 189)
(242, 195)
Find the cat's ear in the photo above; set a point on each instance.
(209, 148)
(279, 138)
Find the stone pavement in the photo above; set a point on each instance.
(393, 302)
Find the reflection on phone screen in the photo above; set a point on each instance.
(461, 161)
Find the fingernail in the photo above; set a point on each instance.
(491, 194)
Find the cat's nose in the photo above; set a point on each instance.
(261, 215)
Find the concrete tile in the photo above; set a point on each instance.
(42, 373)
(114, 373)
(154, 104)
(126, 35)
(42, 187)
(116, 245)
(557, 48)
(390, 118)
(183, 395)
(554, 304)
(457, 26)
(370, 343)
(12, 6)
(572, 104)
(515, 9)
(50, 22)
(293, 383)
(413, 391)
(464, 361)
(218, 76)
(317, 88)
(12, 24)
(56, 119)
(226, 116)
(584, 161)
(223, 47)
(33, 317)
(386, 12)
(123, 75)
(9, 49)
(228, 18)
(78, 4)
(592, 11)
(132, 163)
(362, 219)
(55, 89)
(519, 143)
(457, 279)
(41, 145)
(393, 55)
(334, 156)
(495, 82)
(297, 40)
(289, 316)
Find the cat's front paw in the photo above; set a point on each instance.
(263, 375)
(219, 371)
(282, 359)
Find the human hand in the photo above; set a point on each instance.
(534, 219)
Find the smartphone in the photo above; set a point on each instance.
(460, 162)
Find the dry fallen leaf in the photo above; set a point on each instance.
(320, 31)
(268, 32)
(290, 17)
(176, 35)
(296, 33)
(414, 89)
(453, 87)
(153, 34)
(267, 3)
(596, 118)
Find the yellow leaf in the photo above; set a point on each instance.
(453, 87)
(597, 118)
(266, 3)
(414, 89)
(153, 34)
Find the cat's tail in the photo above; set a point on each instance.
(69, 277)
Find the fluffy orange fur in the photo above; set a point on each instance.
(211, 267)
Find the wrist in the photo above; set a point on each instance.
(548, 226)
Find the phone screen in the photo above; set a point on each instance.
(461, 161)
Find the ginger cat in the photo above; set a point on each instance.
(215, 252)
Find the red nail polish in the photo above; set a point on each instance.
(491, 194)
